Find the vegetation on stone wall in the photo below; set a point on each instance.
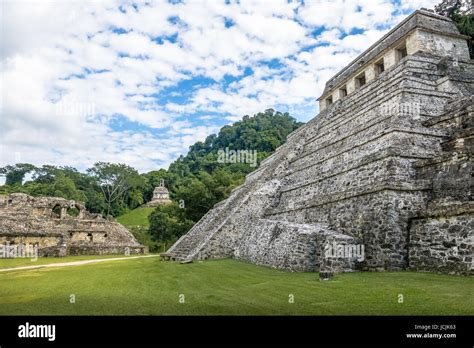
(196, 181)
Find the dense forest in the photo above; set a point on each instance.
(196, 181)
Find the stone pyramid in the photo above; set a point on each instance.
(385, 169)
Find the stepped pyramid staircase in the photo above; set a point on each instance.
(188, 246)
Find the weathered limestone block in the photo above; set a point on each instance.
(443, 244)
(442, 45)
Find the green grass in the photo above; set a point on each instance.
(20, 262)
(151, 287)
(136, 217)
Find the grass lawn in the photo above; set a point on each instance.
(151, 287)
(136, 217)
(20, 262)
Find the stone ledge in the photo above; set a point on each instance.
(344, 121)
(342, 196)
(378, 156)
(374, 138)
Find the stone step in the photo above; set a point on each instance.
(187, 246)
(391, 137)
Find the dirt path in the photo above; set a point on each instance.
(73, 263)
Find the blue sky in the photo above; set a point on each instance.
(139, 82)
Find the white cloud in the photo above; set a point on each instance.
(416, 4)
(88, 81)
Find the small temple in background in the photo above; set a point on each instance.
(161, 196)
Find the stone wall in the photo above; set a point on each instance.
(44, 222)
(99, 249)
(443, 244)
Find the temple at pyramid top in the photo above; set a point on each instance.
(422, 31)
(161, 196)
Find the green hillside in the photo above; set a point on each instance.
(136, 217)
(136, 221)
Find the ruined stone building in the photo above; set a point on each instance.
(59, 227)
(387, 165)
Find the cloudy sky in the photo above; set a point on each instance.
(138, 82)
